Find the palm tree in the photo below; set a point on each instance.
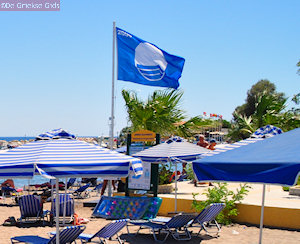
(161, 113)
(270, 109)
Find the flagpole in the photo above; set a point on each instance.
(112, 118)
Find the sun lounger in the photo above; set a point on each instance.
(31, 209)
(106, 232)
(66, 235)
(71, 182)
(204, 220)
(176, 226)
(207, 218)
(69, 207)
(82, 191)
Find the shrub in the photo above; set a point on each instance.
(164, 172)
(189, 172)
(286, 188)
(221, 194)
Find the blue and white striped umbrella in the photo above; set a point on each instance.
(261, 133)
(267, 131)
(55, 134)
(173, 149)
(176, 150)
(63, 158)
(226, 147)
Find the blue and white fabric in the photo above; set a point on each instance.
(267, 131)
(31, 207)
(144, 63)
(63, 199)
(226, 147)
(174, 149)
(55, 134)
(274, 160)
(64, 158)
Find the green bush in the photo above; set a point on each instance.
(165, 172)
(189, 172)
(286, 188)
(221, 194)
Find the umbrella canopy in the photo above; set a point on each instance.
(274, 160)
(57, 154)
(260, 134)
(267, 131)
(175, 148)
(63, 158)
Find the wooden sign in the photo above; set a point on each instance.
(143, 135)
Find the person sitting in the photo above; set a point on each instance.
(212, 145)
(7, 187)
(202, 142)
(8, 183)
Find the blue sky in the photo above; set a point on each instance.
(56, 67)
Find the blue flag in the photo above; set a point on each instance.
(144, 63)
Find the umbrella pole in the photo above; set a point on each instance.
(262, 214)
(57, 210)
(175, 187)
(109, 188)
(52, 186)
(65, 202)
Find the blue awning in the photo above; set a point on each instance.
(274, 160)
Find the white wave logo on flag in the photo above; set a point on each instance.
(150, 61)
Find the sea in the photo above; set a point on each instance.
(11, 138)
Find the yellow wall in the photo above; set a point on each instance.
(273, 216)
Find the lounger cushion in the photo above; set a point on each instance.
(31, 239)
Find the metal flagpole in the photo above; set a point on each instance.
(262, 214)
(112, 118)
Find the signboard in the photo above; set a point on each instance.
(141, 182)
(143, 135)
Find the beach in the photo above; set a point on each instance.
(235, 233)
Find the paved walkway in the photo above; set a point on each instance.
(275, 196)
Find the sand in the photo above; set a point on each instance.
(230, 234)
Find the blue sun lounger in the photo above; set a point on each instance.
(66, 235)
(31, 209)
(107, 232)
(207, 218)
(71, 182)
(82, 191)
(176, 226)
(69, 207)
